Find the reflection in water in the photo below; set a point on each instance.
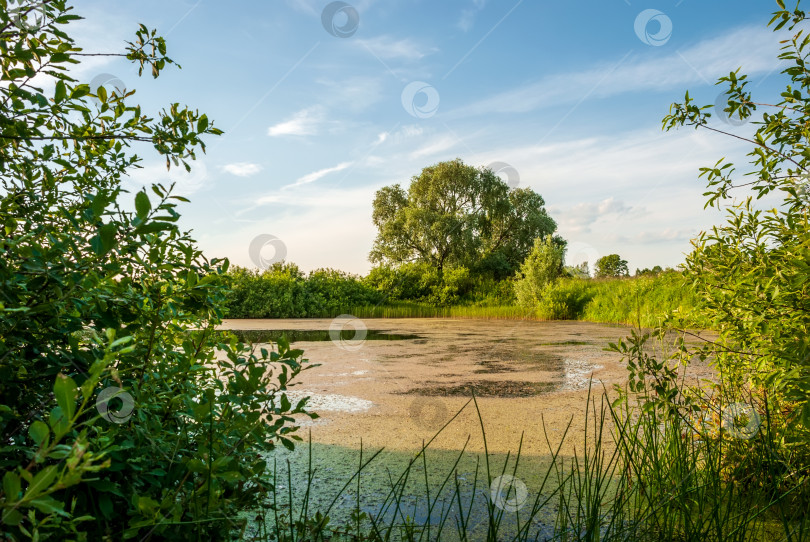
(329, 402)
(314, 335)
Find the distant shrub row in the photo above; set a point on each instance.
(284, 291)
(414, 290)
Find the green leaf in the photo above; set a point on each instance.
(290, 445)
(65, 391)
(806, 415)
(142, 205)
(40, 433)
(101, 92)
(202, 124)
(12, 517)
(11, 486)
(80, 91)
(48, 505)
(153, 227)
(105, 504)
(108, 233)
(58, 422)
(61, 92)
(41, 482)
(196, 465)
(147, 505)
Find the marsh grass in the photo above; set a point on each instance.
(640, 301)
(635, 476)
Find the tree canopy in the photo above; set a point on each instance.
(611, 265)
(455, 214)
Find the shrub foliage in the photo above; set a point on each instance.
(119, 410)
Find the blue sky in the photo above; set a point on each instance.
(569, 94)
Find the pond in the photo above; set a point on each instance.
(393, 384)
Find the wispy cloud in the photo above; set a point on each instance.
(298, 219)
(579, 217)
(315, 175)
(436, 146)
(752, 48)
(468, 14)
(185, 182)
(304, 122)
(355, 93)
(242, 169)
(388, 48)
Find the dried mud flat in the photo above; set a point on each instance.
(397, 393)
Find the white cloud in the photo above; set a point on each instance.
(242, 169)
(468, 14)
(320, 228)
(436, 146)
(315, 175)
(389, 48)
(355, 93)
(304, 122)
(752, 48)
(186, 182)
(579, 217)
(636, 193)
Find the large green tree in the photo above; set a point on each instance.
(455, 214)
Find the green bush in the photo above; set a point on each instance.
(539, 271)
(751, 272)
(421, 282)
(565, 299)
(282, 291)
(122, 413)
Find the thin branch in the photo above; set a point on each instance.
(83, 138)
(767, 148)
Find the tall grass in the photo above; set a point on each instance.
(637, 476)
(642, 301)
